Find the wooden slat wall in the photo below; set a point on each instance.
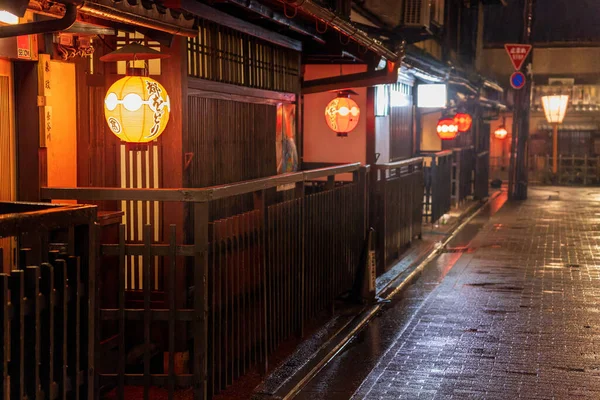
(141, 169)
(7, 165)
(401, 125)
(229, 142)
(224, 55)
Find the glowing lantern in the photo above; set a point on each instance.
(342, 114)
(447, 129)
(137, 109)
(464, 121)
(501, 133)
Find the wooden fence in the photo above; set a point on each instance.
(397, 208)
(463, 166)
(239, 288)
(481, 178)
(572, 170)
(47, 312)
(437, 178)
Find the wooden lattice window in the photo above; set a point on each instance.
(224, 55)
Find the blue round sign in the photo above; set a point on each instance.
(517, 80)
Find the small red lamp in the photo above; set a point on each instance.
(447, 129)
(342, 113)
(501, 132)
(464, 121)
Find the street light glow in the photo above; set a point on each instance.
(8, 18)
(555, 108)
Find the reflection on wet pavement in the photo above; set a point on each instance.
(516, 315)
(347, 371)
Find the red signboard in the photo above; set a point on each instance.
(23, 47)
(517, 53)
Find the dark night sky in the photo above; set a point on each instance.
(555, 21)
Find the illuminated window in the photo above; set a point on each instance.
(124, 38)
(400, 94)
(432, 96)
(382, 100)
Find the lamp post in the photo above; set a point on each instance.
(555, 108)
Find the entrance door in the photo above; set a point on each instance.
(7, 154)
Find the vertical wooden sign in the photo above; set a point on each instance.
(44, 91)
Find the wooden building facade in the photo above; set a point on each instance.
(245, 222)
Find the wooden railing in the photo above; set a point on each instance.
(47, 315)
(463, 166)
(482, 175)
(396, 208)
(572, 170)
(240, 286)
(438, 189)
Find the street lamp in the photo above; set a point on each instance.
(555, 108)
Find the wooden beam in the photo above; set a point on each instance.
(361, 79)
(211, 14)
(192, 194)
(206, 88)
(280, 18)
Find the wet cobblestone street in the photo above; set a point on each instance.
(513, 314)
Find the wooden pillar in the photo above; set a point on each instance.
(31, 165)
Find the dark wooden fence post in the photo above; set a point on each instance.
(200, 362)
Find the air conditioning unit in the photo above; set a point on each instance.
(416, 14)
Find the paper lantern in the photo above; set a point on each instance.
(342, 114)
(137, 109)
(447, 129)
(501, 133)
(463, 121)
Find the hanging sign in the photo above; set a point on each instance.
(23, 47)
(518, 53)
(517, 80)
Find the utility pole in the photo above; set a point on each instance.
(518, 181)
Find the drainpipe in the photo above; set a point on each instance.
(34, 28)
(342, 26)
(97, 10)
(133, 18)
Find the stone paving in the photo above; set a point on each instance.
(518, 316)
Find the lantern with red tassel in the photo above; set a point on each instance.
(447, 129)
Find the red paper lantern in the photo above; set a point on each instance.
(342, 114)
(501, 133)
(464, 121)
(447, 129)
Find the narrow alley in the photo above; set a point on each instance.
(512, 312)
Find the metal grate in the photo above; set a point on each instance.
(224, 55)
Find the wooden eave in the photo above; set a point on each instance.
(109, 13)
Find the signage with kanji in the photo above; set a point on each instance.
(517, 54)
(23, 48)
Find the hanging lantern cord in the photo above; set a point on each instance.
(319, 31)
(342, 42)
(290, 16)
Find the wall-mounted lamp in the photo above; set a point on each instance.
(136, 108)
(342, 113)
(447, 129)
